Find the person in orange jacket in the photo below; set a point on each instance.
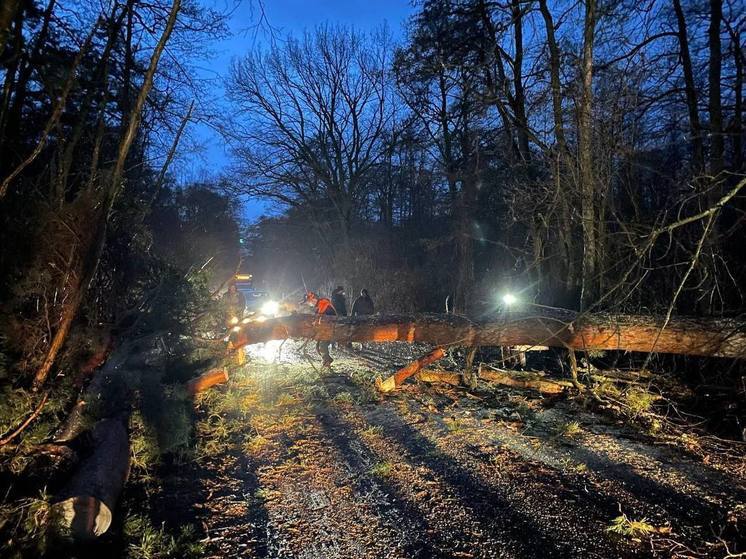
(321, 306)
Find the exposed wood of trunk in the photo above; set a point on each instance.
(706, 337)
(206, 380)
(83, 509)
(405, 372)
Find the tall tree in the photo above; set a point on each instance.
(690, 89)
(585, 156)
(717, 144)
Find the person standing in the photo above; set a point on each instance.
(339, 301)
(363, 305)
(321, 306)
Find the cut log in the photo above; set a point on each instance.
(395, 380)
(83, 509)
(206, 380)
(525, 381)
(718, 338)
(444, 377)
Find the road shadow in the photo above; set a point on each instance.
(419, 539)
(518, 534)
(532, 539)
(699, 518)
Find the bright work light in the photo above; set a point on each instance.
(270, 308)
(509, 299)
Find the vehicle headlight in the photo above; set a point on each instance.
(270, 308)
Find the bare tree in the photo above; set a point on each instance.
(311, 116)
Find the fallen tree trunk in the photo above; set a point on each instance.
(206, 380)
(717, 338)
(526, 381)
(83, 509)
(405, 372)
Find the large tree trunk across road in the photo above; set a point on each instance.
(688, 336)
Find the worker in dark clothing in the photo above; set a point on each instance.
(339, 302)
(363, 305)
(340, 305)
(321, 306)
(234, 305)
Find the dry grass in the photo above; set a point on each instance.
(625, 526)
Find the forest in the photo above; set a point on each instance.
(545, 200)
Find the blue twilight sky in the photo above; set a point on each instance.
(250, 29)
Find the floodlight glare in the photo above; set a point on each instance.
(509, 299)
(270, 308)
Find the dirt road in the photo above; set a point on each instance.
(292, 463)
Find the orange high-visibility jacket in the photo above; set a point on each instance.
(324, 306)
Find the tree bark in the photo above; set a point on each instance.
(563, 194)
(738, 61)
(691, 91)
(520, 96)
(687, 336)
(554, 76)
(587, 175)
(717, 163)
